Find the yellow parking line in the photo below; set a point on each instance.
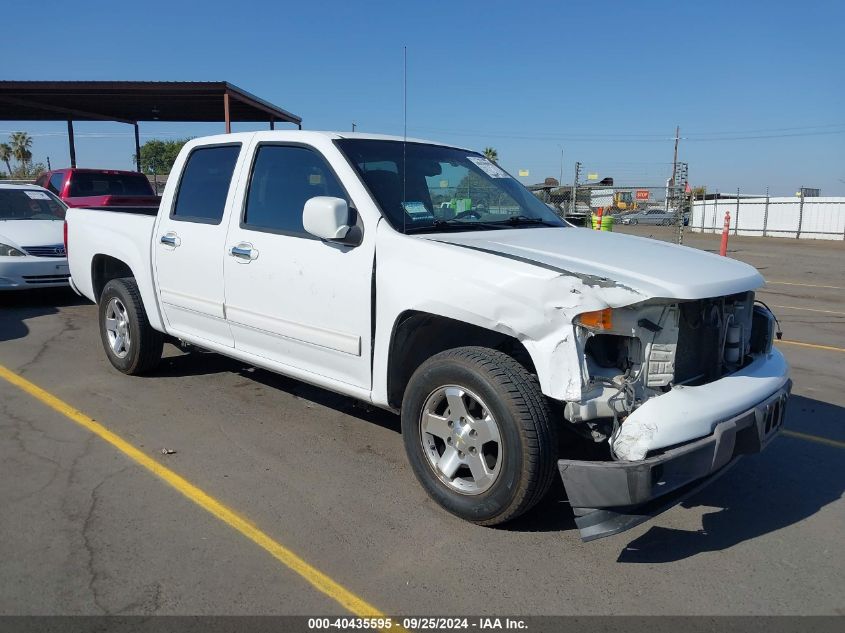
(774, 305)
(317, 579)
(814, 438)
(829, 348)
(795, 283)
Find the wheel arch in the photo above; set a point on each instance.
(104, 268)
(417, 336)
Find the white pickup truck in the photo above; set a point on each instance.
(424, 279)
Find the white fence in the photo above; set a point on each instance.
(810, 218)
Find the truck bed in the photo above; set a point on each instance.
(123, 233)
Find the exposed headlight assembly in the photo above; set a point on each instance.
(10, 251)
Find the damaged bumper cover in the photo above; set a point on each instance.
(611, 497)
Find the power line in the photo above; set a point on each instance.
(648, 138)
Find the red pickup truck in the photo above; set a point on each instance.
(100, 188)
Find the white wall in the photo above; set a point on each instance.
(820, 219)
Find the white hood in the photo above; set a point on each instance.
(654, 268)
(20, 233)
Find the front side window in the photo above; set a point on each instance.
(283, 179)
(425, 188)
(204, 186)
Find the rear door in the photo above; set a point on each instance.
(189, 244)
(291, 297)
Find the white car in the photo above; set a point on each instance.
(518, 349)
(32, 250)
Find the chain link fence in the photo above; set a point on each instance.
(642, 204)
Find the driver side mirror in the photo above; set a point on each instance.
(328, 218)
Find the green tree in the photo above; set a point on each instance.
(29, 171)
(21, 144)
(6, 156)
(491, 154)
(157, 156)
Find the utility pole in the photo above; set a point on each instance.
(670, 190)
(354, 125)
(675, 156)
(560, 182)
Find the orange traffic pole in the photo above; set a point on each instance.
(599, 214)
(723, 249)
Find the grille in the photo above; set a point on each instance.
(697, 359)
(51, 250)
(702, 336)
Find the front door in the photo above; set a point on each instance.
(189, 245)
(291, 297)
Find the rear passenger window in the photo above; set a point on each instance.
(283, 178)
(205, 184)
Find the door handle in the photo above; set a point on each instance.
(244, 251)
(170, 239)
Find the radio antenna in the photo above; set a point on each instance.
(404, 130)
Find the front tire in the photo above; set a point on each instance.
(478, 434)
(132, 345)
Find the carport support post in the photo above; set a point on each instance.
(137, 148)
(226, 113)
(71, 144)
(272, 124)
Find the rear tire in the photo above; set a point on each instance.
(132, 345)
(474, 403)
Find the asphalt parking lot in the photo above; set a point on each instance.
(86, 530)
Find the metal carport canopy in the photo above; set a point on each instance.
(134, 101)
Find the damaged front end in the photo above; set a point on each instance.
(675, 391)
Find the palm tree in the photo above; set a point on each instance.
(491, 154)
(6, 156)
(21, 143)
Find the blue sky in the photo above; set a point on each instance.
(758, 88)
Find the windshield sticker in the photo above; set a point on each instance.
(37, 195)
(487, 167)
(417, 211)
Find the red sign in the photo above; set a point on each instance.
(642, 194)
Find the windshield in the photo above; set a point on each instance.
(422, 187)
(84, 183)
(30, 204)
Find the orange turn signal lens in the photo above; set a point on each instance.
(597, 320)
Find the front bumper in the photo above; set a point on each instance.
(17, 273)
(611, 497)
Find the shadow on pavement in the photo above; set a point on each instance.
(791, 481)
(762, 494)
(198, 362)
(19, 305)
